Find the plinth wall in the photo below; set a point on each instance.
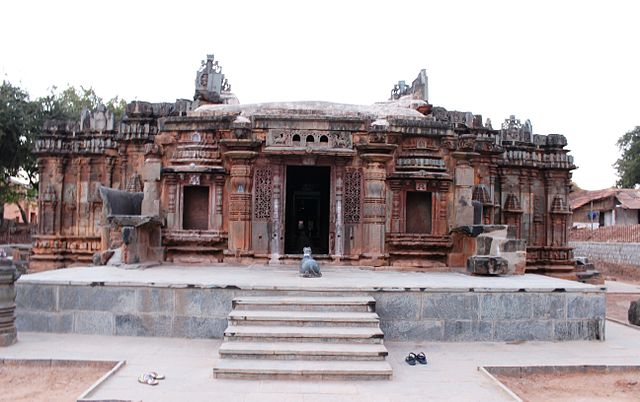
(193, 312)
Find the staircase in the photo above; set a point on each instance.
(303, 338)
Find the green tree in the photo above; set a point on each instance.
(21, 119)
(628, 165)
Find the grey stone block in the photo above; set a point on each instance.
(505, 306)
(97, 298)
(411, 330)
(94, 322)
(587, 330)
(398, 305)
(155, 300)
(450, 306)
(143, 325)
(44, 322)
(36, 297)
(468, 331)
(523, 330)
(582, 305)
(198, 327)
(549, 306)
(203, 302)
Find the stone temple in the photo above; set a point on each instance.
(384, 185)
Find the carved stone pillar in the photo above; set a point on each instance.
(275, 215)
(396, 188)
(59, 168)
(374, 205)
(217, 218)
(338, 250)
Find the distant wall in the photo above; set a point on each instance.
(625, 253)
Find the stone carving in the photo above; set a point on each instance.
(8, 276)
(263, 190)
(514, 130)
(134, 184)
(309, 139)
(309, 267)
(210, 82)
(352, 184)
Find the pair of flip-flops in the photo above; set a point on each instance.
(150, 378)
(412, 358)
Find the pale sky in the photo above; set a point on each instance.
(572, 67)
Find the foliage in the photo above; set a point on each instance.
(628, 165)
(21, 120)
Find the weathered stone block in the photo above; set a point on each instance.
(524, 330)
(581, 305)
(586, 330)
(486, 265)
(44, 322)
(411, 330)
(505, 306)
(393, 307)
(203, 302)
(94, 322)
(198, 327)
(99, 298)
(450, 306)
(549, 306)
(155, 300)
(634, 312)
(36, 297)
(467, 331)
(143, 325)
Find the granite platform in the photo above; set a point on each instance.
(194, 302)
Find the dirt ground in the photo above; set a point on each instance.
(618, 305)
(31, 383)
(618, 272)
(621, 386)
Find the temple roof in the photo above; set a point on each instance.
(403, 108)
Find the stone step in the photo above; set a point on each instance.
(303, 318)
(294, 369)
(304, 303)
(263, 333)
(302, 351)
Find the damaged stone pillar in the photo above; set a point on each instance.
(151, 187)
(8, 276)
(463, 195)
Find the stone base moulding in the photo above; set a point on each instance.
(524, 310)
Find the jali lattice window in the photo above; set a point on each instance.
(352, 180)
(263, 190)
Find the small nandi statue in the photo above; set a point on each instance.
(309, 268)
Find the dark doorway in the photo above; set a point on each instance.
(418, 212)
(307, 219)
(195, 208)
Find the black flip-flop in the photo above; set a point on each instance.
(421, 358)
(410, 359)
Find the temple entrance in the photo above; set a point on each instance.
(307, 209)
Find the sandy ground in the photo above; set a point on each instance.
(21, 383)
(584, 387)
(618, 305)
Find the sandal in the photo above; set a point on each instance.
(421, 358)
(148, 379)
(410, 359)
(156, 375)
